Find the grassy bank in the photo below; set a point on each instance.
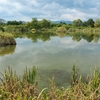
(5, 34)
(6, 39)
(25, 87)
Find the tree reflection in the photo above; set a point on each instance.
(7, 50)
(96, 38)
(61, 34)
(76, 37)
(89, 38)
(45, 36)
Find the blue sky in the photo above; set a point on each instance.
(25, 10)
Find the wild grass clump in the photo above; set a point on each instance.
(13, 87)
(29, 75)
(5, 34)
(6, 39)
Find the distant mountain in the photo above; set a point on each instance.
(67, 22)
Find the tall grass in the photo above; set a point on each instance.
(14, 87)
(6, 39)
(29, 75)
(5, 34)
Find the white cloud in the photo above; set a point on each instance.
(73, 14)
(34, 3)
(3, 2)
(49, 9)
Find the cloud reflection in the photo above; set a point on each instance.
(58, 53)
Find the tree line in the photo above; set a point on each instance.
(89, 23)
(46, 24)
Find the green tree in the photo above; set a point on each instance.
(77, 22)
(28, 25)
(90, 22)
(14, 22)
(84, 23)
(97, 23)
(45, 23)
(35, 23)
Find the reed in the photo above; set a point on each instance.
(29, 75)
(14, 87)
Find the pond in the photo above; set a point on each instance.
(54, 57)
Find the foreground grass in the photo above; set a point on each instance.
(13, 87)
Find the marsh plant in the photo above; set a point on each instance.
(29, 75)
(14, 87)
(74, 75)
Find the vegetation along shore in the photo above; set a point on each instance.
(34, 25)
(6, 39)
(25, 87)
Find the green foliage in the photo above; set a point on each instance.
(77, 23)
(29, 75)
(45, 23)
(7, 39)
(16, 28)
(34, 23)
(14, 22)
(90, 22)
(95, 79)
(74, 74)
(2, 29)
(97, 23)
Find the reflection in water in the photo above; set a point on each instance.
(45, 36)
(96, 38)
(7, 50)
(76, 37)
(60, 34)
(88, 37)
(61, 77)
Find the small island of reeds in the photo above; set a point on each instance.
(6, 39)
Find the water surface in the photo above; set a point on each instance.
(54, 57)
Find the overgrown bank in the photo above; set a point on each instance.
(13, 87)
(6, 39)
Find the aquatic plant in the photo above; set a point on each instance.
(14, 87)
(74, 75)
(29, 75)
